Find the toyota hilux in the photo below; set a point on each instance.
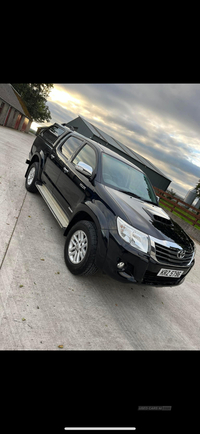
(108, 210)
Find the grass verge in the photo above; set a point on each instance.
(165, 205)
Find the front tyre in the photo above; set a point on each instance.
(80, 248)
(31, 177)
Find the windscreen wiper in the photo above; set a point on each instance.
(150, 201)
(130, 193)
(138, 197)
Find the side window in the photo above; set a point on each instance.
(70, 146)
(87, 155)
(52, 133)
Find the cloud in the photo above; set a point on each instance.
(160, 122)
(59, 114)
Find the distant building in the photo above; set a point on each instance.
(155, 175)
(13, 111)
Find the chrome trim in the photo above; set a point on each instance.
(53, 205)
(168, 244)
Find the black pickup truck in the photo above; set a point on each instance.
(108, 210)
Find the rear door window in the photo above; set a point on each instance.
(70, 146)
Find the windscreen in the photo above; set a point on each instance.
(123, 177)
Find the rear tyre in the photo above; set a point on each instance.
(80, 248)
(31, 177)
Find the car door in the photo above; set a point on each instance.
(72, 186)
(50, 171)
(64, 183)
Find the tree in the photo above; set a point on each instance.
(198, 188)
(34, 95)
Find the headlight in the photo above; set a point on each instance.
(133, 236)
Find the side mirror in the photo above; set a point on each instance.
(158, 199)
(84, 168)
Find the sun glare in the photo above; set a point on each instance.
(34, 126)
(63, 97)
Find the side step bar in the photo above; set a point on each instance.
(53, 205)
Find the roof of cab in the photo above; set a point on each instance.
(102, 148)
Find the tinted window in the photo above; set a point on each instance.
(124, 177)
(87, 155)
(52, 133)
(70, 146)
(56, 130)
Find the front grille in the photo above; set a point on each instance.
(168, 255)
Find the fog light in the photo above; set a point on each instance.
(120, 265)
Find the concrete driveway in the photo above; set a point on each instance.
(43, 306)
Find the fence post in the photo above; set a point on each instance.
(195, 221)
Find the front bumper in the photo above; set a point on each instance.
(139, 267)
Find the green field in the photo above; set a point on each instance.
(166, 205)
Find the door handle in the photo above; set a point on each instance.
(65, 170)
(52, 156)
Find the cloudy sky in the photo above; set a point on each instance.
(159, 121)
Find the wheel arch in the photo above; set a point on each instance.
(81, 215)
(103, 234)
(36, 158)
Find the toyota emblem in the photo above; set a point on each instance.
(181, 254)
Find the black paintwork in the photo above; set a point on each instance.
(81, 198)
